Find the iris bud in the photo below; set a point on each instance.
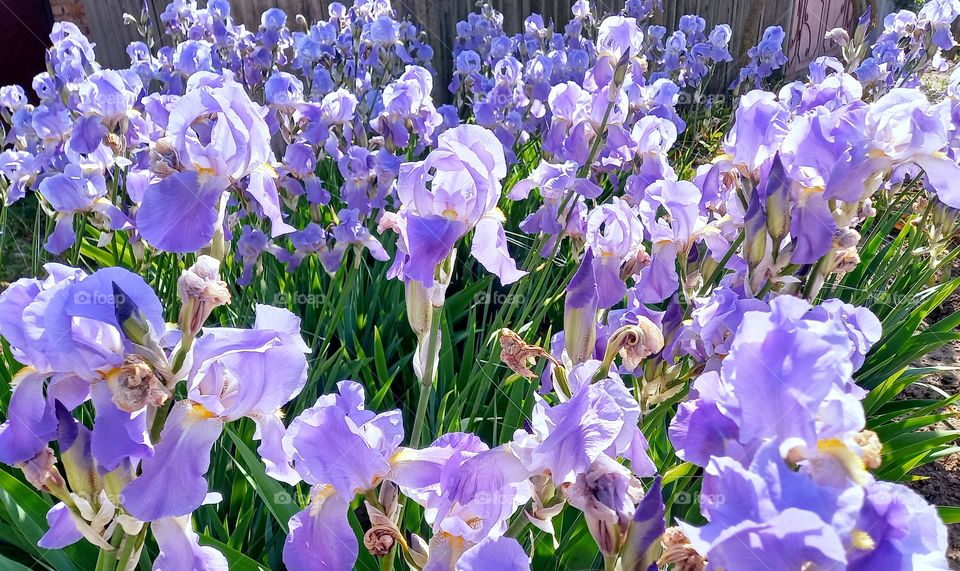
(777, 201)
(200, 289)
(580, 312)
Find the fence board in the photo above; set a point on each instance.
(105, 18)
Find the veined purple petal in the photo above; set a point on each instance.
(180, 548)
(320, 536)
(63, 531)
(179, 213)
(490, 249)
(182, 457)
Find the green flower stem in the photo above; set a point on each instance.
(429, 372)
(130, 547)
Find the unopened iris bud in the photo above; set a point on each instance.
(634, 265)
(776, 194)
(863, 25)
(580, 312)
(389, 498)
(78, 464)
(200, 289)
(620, 73)
(419, 308)
(41, 471)
(134, 325)
(639, 552)
(135, 385)
(418, 553)
(754, 226)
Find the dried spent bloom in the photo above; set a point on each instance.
(517, 353)
(135, 384)
(679, 552)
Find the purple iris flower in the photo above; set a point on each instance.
(236, 373)
(72, 331)
(468, 490)
(760, 124)
(74, 192)
(453, 191)
(901, 127)
(283, 91)
(599, 418)
(672, 236)
(220, 137)
(786, 378)
(615, 236)
(19, 168)
(903, 530)
(340, 449)
(770, 515)
(555, 183)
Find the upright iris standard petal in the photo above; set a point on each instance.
(580, 307)
(182, 457)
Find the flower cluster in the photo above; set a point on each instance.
(101, 339)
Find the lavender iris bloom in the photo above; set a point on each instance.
(615, 236)
(236, 373)
(340, 449)
(220, 137)
(74, 192)
(453, 191)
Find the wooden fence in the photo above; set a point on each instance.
(805, 21)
